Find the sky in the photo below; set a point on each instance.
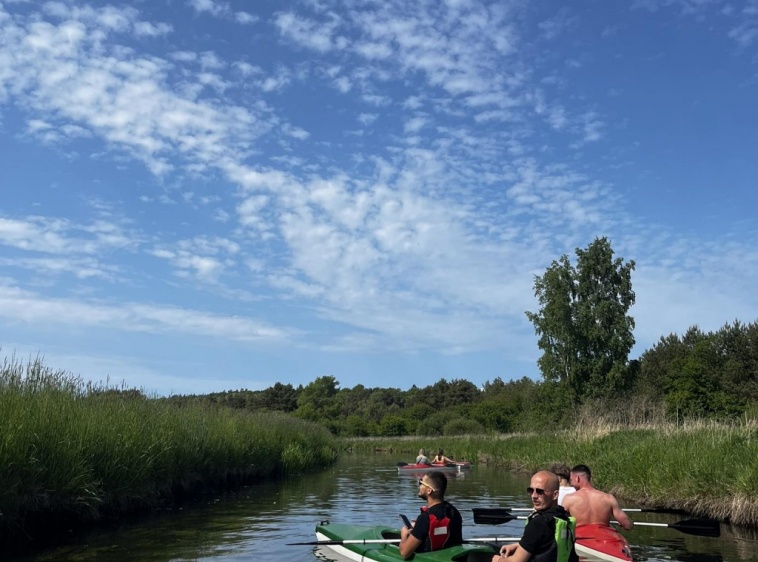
(198, 196)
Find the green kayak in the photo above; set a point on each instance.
(362, 543)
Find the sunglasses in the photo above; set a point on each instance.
(422, 483)
(540, 491)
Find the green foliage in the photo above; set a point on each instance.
(703, 374)
(583, 327)
(393, 426)
(79, 452)
(462, 426)
(317, 401)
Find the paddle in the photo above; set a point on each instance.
(393, 541)
(627, 509)
(402, 464)
(699, 527)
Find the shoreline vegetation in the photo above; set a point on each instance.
(707, 469)
(73, 454)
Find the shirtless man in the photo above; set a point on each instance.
(590, 506)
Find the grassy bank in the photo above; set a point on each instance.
(704, 468)
(72, 453)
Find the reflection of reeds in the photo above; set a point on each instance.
(77, 452)
(705, 468)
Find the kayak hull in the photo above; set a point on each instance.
(384, 552)
(452, 467)
(602, 542)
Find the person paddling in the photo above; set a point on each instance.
(439, 525)
(549, 533)
(590, 506)
(422, 458)
(440, 458)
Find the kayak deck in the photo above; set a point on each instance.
(389, 552)
(413, 467)
(602, 542)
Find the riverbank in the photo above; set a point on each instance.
(73, 454)
(706, 469)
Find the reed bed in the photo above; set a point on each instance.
(71, 452)
(705, 468)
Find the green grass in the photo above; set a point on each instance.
(708, 469)
(76, 452)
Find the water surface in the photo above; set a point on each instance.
(257, 522)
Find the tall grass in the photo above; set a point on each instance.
(77, 452)
(706, 468)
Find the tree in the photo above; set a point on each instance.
(317, 401)
(583, 327)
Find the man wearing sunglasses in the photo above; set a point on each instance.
(549, 534)
(438, 526)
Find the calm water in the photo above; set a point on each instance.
(255, 523)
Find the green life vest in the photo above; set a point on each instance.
(563, 546)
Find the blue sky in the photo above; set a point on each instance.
(199, 195)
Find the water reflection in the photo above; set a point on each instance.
(258, 522)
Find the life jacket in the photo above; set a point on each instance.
(564, 538)
(439, 530)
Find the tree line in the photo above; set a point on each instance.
(585, 334)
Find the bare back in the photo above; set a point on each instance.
(591, 506)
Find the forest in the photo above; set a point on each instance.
(585, 334)
(696, 375)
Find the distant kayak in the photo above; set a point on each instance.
(413, 467)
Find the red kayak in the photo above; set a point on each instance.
(602, 542)
(456, 466)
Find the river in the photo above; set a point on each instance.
(254, 524)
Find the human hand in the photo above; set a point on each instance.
(507, 550)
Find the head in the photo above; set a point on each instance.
(432, 485)
(580, 475)
(440, 453)
(422, 452)
(543, 489)
(563, 472)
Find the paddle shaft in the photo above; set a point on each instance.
(698, 527)
(393, 541)
(630, 509)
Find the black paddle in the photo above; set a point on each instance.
(699, 527)
(402, 464)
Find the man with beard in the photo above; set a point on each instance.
(549, 533)
(438, 526)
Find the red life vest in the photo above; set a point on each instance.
(439, 531)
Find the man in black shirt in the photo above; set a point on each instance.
(548, 536)
(438, 526)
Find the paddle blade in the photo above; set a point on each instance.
(492, 516)
(402, 464)
(699, 527)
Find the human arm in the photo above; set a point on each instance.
(408, 543)
(620, 516)
(512, 553)
(411, 539)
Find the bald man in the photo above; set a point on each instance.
(549, 535)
